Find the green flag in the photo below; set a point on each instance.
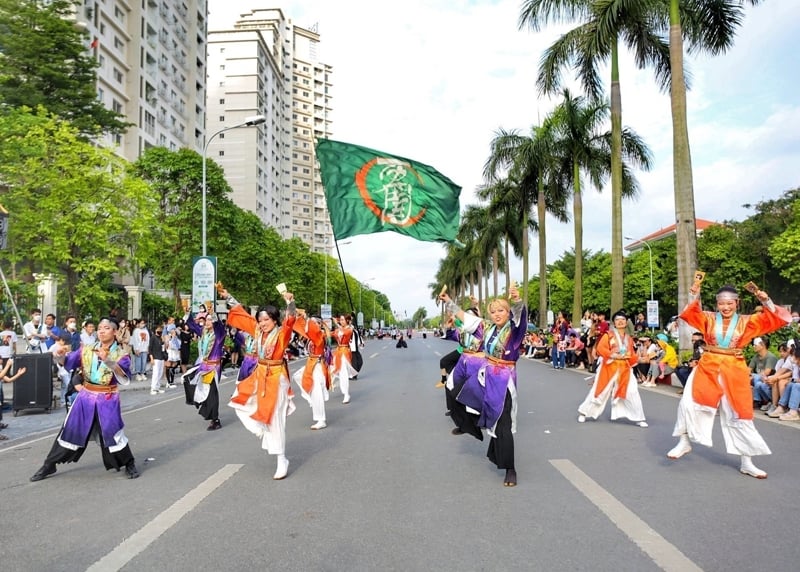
(370, 191)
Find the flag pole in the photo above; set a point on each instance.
(344, 277)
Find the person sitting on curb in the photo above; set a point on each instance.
(665, 364)
(6, 379)
(787, 409)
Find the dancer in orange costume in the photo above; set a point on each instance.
(342, 367)
(314, 377)
(614, 378)
(722, 378)
(263, 400)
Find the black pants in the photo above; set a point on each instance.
(501, 448)
(467, 422)
(449, 361)
(117, 460)
(209, 409)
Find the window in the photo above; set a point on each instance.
(119, 44)
(221, 153)
(222, 118)
(222, 101)
(116, 106)
(117, 75)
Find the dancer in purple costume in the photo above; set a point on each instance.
(96, 412)
(205, 374)
(492, 390)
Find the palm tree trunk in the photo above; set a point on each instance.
(495, 270)
(577, 213)
(686, 227)
(525, 249)
(541, 207)
(508, 266)
(617, 279)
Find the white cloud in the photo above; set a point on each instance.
(433, 80)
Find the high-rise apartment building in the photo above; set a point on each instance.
(259, 62)
(152, 69)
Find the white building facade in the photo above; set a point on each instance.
(259, 62)
(152, 69)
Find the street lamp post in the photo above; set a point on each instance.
(650, 252)
(248, 122)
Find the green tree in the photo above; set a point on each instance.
(506, 223)
(74, 206)
(528, 161)
(603, 23)
(710, 26)
(46, 62)
(582, 146)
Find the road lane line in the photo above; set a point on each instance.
(140, 540)
(664, 554)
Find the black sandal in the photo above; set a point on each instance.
(511, 478)
(3, 425)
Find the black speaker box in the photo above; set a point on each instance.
(34, 389)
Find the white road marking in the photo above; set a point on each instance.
(373, 355)
(664, 554)
(140, 540)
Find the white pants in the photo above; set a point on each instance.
(319, 393)
(343, 375)
(697, 421)
(158, 373)
(629, 406)
(273, 435)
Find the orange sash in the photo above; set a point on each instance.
(308, 374)
(606, 346)
(706, 389)
(264, 383)
(342, 351)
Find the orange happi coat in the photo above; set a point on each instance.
(606, 346)
(343, 335)
(732, 369)
(270, 348)
(312, 331)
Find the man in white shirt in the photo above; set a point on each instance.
(35, 332)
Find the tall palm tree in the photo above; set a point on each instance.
(603, 23)
(505, 213)
(709, 26)
(581, 145)
(528, 161)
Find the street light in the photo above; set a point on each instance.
(248, 122)
(650, 250)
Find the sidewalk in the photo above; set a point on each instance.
(31, 422)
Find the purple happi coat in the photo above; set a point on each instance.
(105, 404)
(501, 347)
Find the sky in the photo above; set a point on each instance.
(433, 80)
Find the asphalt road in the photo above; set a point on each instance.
(387, 487)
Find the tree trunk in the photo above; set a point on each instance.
(541, 212)
(577, 214)
(617, 279)
(495, 270)
(685, 223)
(525, 249)
(508, 266)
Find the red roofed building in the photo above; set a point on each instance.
(700, 225)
